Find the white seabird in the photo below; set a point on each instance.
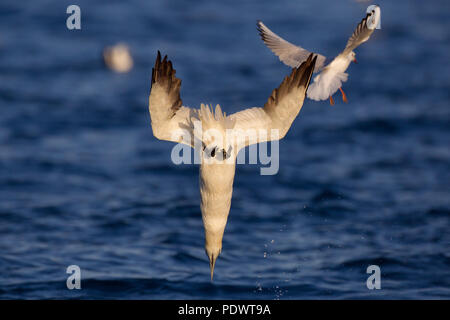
(118, 58)
(169, 118)
(331, 75)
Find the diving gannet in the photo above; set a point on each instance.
(331, 76)
(208, 132)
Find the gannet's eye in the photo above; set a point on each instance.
(213, 152)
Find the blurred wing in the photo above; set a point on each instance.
(170, 120)
(255, 125)
(363, 31)
(288, 53)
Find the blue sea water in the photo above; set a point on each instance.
(84, 182)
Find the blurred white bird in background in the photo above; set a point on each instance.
(118, 58)
(332, 75)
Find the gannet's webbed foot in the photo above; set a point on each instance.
(331, 101)
(344, 96)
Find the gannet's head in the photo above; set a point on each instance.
(213, 249)
(214, 130)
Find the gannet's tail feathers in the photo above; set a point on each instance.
(213, 127)
(167, 114)
(280, 110)
(287, 52)
(214, 119)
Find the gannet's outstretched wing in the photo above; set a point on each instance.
(363, 30)
(170, 120)
(255, 125)
(288, 53)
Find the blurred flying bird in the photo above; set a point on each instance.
(331, 75)
(218, 137)
(118, 58)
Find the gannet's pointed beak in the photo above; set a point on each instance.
(212, 263)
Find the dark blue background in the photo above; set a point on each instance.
(83, 181)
